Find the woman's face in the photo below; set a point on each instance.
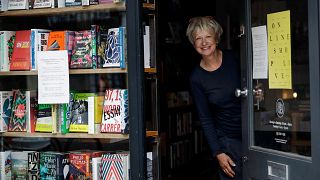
(204, 42)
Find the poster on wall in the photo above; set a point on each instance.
(279, 50)
(260, 52)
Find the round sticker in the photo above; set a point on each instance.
(280, 108)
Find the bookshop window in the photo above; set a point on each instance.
(282, 110)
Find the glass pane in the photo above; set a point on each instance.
(282, 116)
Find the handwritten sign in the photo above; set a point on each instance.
(279, 50)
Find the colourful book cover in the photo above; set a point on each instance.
(54, 165)
(6, 49)
(79, 165)
(79, 112)
(6, 99)
(82, 51)
(18, 120)
(5, 165)
(102, 36)
(114, 166)
(44, 118)
(115, 111)
(21, 51)
(33, 166)
(62, 116)
(57, 41)
(39, 39)
(115, 53)
(33, 111)
(94, 30)
(19, 166)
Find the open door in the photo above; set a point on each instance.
(280, 96)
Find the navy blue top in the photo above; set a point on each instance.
(219, 110)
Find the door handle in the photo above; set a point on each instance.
(243, 93)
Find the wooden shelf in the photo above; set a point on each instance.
(149, 6)
(71, 71)
(69, 135)
(152, 133)
(74, 135)
(150, 70)
(59, 11)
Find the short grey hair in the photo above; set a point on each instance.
(203, 23)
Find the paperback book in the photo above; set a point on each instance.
(6, 48)
(115, 53)
(6, 98)
(21, 51)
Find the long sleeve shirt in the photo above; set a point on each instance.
(219, 110)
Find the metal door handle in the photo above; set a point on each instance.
(243, 93)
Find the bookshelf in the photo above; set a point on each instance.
(76, 18)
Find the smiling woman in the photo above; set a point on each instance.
(212, 84)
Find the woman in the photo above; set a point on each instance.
(213, 83)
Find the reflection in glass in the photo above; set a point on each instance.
(282, 116)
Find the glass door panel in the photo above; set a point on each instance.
(282, 116)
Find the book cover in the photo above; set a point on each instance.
(19, 166)
(102, 40)
(70, 3)
(6, 49)
(39, 40)
(21, 51)
(62, 117)
(79, 165)
(57, 41)
(94, 31)
(115, 53)
(79, 112)
(5, 165)
(6, 99)
(33, 166)
(82, 50)
(70, 43)
(33, 111)
(115, 111)
(96, 164)
(3, 5)
(42, 4)
(19, 115)
(18, 4)
(44, 118)
(54, 165)
(98, 110)
(114, 166)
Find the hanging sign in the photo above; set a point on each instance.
(279, 50)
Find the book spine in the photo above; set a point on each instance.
(33, 166)
(64, 119)
(91, 115)
(94, 45)
(33, 49)
(122, 48)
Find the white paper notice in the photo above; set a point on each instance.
(260, 52)
(53, 77)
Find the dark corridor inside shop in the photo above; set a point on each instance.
(185, 155)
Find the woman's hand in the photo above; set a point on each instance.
(225, 163)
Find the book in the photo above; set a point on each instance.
(44, 118)
(96, 164)
(102, 40)
(54, 165)
(42, 4)
(5, 165)
(39, 41)
(82, 50)
(115, 111)
(33, 112)
(3, 5)
(19, 115)
(19, 166)
(70, 3)
(98, 107)
(79, 112)
(115, 53)
(21, 51)
(91, 118)
(114, 166)
(18, 4)
(33, 166)
(146, 46)
(149, 166)
(57, 41)
(80, 165)
(94, 31)
(6, 48)
(6, 99)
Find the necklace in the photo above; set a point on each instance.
(213, 63)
